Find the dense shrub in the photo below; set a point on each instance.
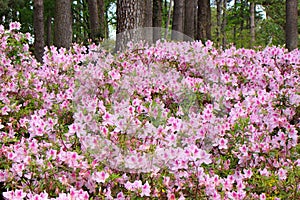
(169, 121)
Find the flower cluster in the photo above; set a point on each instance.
(167, 121)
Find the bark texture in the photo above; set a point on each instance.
(38, 21)
(189, 17)
(157, 19)
(63, 24)
(204, 20)
(148, 10)
(102, 19)
(178, 19)
(93, 19)
(130, 15)
(252, 23)
(291, 28)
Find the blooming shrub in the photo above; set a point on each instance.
(169, 121)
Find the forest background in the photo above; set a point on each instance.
(244, 23)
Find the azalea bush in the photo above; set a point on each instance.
(165, 121)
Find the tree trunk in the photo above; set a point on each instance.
(169, 19)
(189, 18)
(148, 21)
(102, 19)
(49, 31)
(203, 25)
(208, 28)
(157, 19)
(223, 30)
(63, 24)
(234, 25)
(219, 22)
(291, 28)
(130, 16)
(252, 23)
(38, 29)
(93, 19)
(178, 17)
(242, 17)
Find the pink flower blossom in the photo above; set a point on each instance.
(282, 174)
(14, 26)
(223, 143)
(100, 177)
(145, 189)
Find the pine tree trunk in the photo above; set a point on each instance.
(157, 19)
(219, 22)
(203, 21)
(148, 21)
(63, 24)
(178, 17)
(252, 23)
(223, 30)
(130, 16)
(208, 28)
(291, 29)
(169, 18)
(49, 31)
(102, 19)
(93, 19)
(39, 29)
(189, 18)
(234, 26)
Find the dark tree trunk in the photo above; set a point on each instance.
(49, 31)
(39, 29)
(242, 10)
(224, 22)
(219, 22)
(148, 20)
(130, 15)
(178, 17)
(189, 17)
(157, 19)
(93, 19)
(203, 21)
(102, 20)
(63, 24)
(291, 28)
(234, 26)
(252, 23)
(169, 18)
(208, 28)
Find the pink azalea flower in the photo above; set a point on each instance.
(100, 177)
(262, 196)
(14, 195)
(223, 143)
(146, 189)
(282, 174)
(14, 26)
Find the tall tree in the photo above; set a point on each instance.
(63, 24)
(38, 25)
(178, 17)
(148, 10)
(219, 22)
(291, 28)
(189, 17)
(223, 30)
(93, 19)
(203, 20)
(130, 16)
(252, 23)
(157, 19)
(168, 20)
(102, 19)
